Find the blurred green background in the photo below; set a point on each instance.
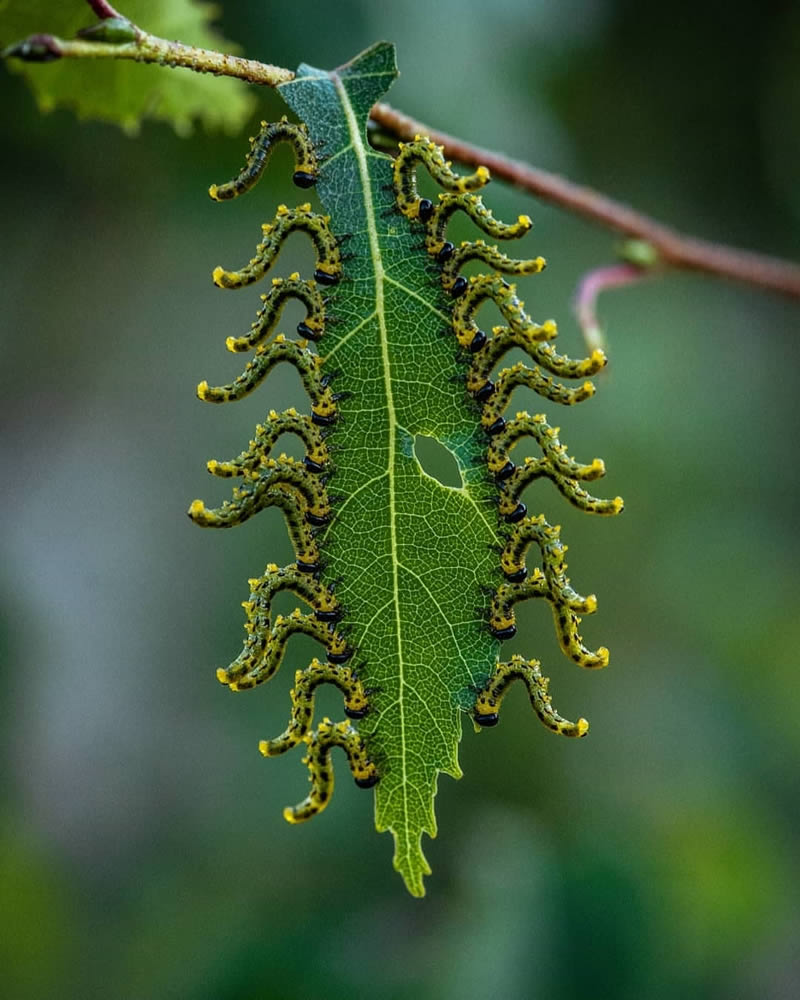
(142, 849)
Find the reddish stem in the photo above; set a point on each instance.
(590, 286)
(103, 10)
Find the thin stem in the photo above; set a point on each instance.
(124, 40)
(103, 9)
(674, 248)
(590, 286)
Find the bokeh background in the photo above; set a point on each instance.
(142, 849)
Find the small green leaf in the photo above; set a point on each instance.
(123, 92)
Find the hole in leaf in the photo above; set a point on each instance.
(437, 461)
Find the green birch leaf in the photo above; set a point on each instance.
(410, 553)
(125, 93)
(406, 570)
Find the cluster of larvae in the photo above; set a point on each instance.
(483, 353)
(300, 488)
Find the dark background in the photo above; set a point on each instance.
(142, 850)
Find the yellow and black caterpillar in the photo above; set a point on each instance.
(395, 567)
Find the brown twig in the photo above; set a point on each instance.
(674, 249)
(117, 38)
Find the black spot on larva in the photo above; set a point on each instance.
(504, 633)
(489, 719)
(368, 782)
(446, 252)
(306, 332)
(505, 472)
(338, 658)
(477, 342)
(517, 513)
(303, 179)
(311, 465)
(459, 286)
(517, 575)
(318, 520)
(425, 209)
(496, 427)
(328, 616)
(323, 419)
(305, 567)
(355, 713)
(325, 277)
(485, 391)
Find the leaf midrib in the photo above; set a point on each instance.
(360, 151)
